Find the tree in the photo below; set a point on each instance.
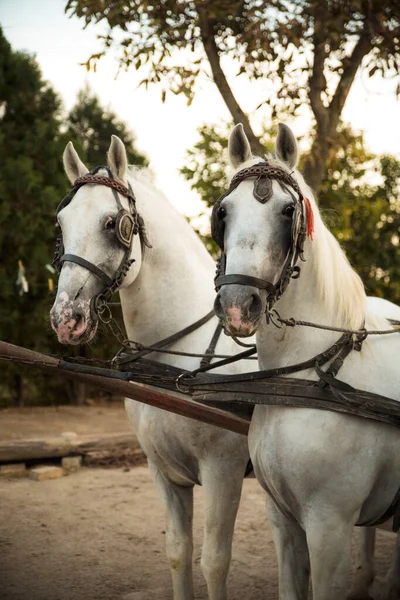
(310, 49)
(31, 185)
(364, 216)
(90, 127)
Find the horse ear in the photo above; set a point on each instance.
(73, 165)
(286, 146)
(238, 146)
(117, 159)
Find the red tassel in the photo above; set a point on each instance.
(310, 218)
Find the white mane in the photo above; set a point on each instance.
(337, 283)
(142, 174)
(162, 218)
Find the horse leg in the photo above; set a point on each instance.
(329, 545)
(221, 500)
(365, 573)
(292, 552)
(178, 501)
(392, 579)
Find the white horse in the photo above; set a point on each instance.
(323, 472)
(167, 288)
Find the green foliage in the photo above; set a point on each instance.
(262, 36)
(32, 183)
(309, 50)
(364, 216)
(90, 127)
(205, 168)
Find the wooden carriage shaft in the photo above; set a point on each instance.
(136, 391)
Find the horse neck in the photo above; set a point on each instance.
(175, 285)
(328, 292)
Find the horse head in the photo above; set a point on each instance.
(260, 225)
(100, 249)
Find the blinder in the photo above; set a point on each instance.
(127, 224)
(125, 228)
(264, 174)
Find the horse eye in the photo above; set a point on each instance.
(221, 212)
(110, 223)
(288, 211)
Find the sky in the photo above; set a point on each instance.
(166, 131)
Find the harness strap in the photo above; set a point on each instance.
(211, 348)
(166, 341)
(264, 171)
(109, 181)
(392, 511)
(87, 265)
(233, 279)
(319, 359)
(128, 224)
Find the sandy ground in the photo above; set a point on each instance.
(49, 421)
(98, 534)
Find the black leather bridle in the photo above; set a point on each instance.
(127, 224)
(264, 173)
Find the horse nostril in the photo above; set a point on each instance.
(79, 318)
(218, 307)
(254, 306)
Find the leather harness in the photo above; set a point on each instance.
(127, 224)
(264, 173)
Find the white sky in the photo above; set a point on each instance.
(165, 131)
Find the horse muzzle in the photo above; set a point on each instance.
(239, 309)
(72, 322)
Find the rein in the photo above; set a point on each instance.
(127, 224)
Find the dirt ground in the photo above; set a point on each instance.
(49, 421)
(98, 534)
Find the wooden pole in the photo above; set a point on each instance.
(179, 404)
(30, 449)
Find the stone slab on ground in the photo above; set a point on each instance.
(114, 457)
(42, 473)
(70, 464)
(13, 470)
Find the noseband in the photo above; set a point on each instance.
(127, 224)
(264, 173)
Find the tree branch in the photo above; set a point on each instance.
(221, 82)
(317, 81)
(328, 117)
(351, 65)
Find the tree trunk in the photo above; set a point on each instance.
(222, 84)
(80, 388)
(80, 394)
(77, 390)
(19, 389)
(328, 117)
(315, 164)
